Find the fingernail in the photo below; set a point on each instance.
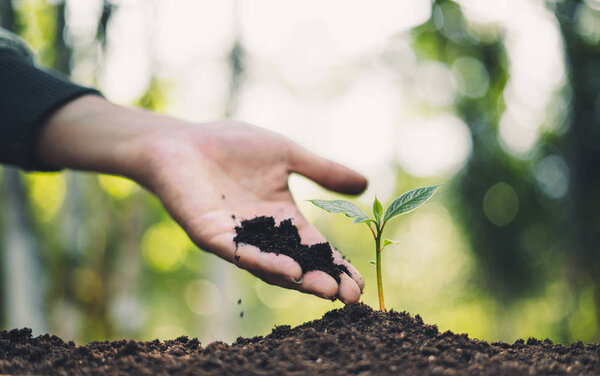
(296, 281)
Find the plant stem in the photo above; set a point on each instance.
(378, 266)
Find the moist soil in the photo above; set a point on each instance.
(354, 340)
(262, 233)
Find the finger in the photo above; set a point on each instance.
(328, 174)
(319, 283)
(311, 235)
(253, 259)
(314, 282)
(349, 292)
(354, 273)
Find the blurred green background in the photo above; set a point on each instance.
(498, 99)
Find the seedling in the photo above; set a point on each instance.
(405, 203)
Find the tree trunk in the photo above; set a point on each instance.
(23, 281)
(23, 278)
(582, 149)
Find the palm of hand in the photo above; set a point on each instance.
(209, 177)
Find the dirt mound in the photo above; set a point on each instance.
(348, 341)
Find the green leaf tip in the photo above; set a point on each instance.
(409, 201)
(342, 206)
(387, 242)
(377, 210)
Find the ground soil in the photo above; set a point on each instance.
(262, 233)
(349, 341)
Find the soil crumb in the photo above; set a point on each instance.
(349, 341)
(284, 239)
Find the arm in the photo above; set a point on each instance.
(190, 167)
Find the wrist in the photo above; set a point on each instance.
(93, 134)
(165, 147)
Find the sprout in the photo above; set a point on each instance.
(401, 205)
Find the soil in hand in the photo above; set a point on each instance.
(284, 239)
(349, 341)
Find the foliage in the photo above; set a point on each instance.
(405, 203)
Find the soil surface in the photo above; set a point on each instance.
(262, 233)
(354, 340)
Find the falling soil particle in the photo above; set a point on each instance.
(284, 239)
(348, 341)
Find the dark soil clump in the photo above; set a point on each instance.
(284, 239)
(349, 341)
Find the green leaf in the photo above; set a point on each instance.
(409, 201)
(372, 262)
(342, 206)
(377, 211)
(363, 220)
(387, 242)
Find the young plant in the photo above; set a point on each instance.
(403, 204)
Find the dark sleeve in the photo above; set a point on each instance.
(28, 96)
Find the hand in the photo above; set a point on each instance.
(204, 174)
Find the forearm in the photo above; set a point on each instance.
(93, 134)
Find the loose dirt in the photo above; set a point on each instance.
(262, 233)
(354, 340)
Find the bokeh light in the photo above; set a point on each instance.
(116, 186)
(47, 192)
(433, 147)
(435, 83)
(165, 246)
(274, 297)
(501, 204)
(552, 176)
(203, 297)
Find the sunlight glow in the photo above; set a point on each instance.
(435, 83)
(516, 137)
(47, 192)
(165, 246)
(127, 66)
(433, 147)
(537, 70)
(274, 296)
(328, 31)
(117, 186)
(189, 30)
(203, 297)
(82, 17)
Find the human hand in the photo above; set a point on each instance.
(206, 173)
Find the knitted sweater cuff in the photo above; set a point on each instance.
(28, 96)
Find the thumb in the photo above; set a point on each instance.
(329, 174)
